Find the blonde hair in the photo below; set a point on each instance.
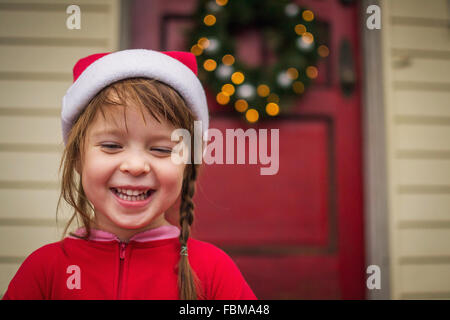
(162, 102)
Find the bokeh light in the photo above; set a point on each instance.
(209, 65)
(222, 98)
(273, 97)
(323, 51)
(228, 59)
(252, 115)
(241, 105)
(237, 77)
(300, 29)
(311, 72)
(228, 89)
(298, 87)
(272, 109)
(263, 90)
(209, 20)
(196, 50)
(203, 42)
(308, 15)
(222, 2)
(292, 73)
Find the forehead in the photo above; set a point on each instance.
(121, 119)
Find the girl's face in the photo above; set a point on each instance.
(116, 161)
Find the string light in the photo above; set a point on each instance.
(237, 77)
(222, 2)
(209, 20)
(311, 72)
(300, 29)
(273, 97)
(298, 87)
(228, 89)
(196, 50)
(241, 105)
(272, 109)
(292, 73)
(252, 115)
(323, 51)
(222, 98)
(203, 42)
(228, 59)
(308, 15)
(308, 38)
(263, 90)
(209, 65)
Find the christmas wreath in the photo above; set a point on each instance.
(267, 90)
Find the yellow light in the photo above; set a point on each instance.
(298, 87)
(312, 72)
(292, 73)
(323, 51)
(228, 89)
(263, 90)
(221, 2)
(252, 115)
(308, 38)
(203, 42)
(222, 98)
(196, 50)
(300, 29)
(308, 15)
(209, 20)
(237, 77)
(241, 105)
(273, 97)
(272, 109)
(228, 59)
(209, 65)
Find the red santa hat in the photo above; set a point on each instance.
(93, 73)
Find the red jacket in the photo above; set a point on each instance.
(142, 268)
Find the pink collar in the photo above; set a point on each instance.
(163, 232)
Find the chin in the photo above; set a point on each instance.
(131, 223)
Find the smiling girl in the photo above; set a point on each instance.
(119, 177)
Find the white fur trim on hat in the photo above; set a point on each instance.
(130, 64)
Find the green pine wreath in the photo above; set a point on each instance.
(263, 91)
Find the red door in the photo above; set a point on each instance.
(297, 234)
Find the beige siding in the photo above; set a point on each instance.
(416, 51)
(37, 53)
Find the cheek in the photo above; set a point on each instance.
(170, 176)
(95, 170)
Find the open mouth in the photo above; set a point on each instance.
(135, 196)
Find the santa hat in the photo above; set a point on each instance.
(93, 73)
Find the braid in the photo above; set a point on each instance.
(189, 287)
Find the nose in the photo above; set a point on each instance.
(135, 165)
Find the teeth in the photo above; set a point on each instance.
(131, 192)
(131, 197)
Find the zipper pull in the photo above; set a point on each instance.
(122, 250)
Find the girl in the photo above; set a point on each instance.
(119, 176)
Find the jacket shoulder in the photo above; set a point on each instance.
(224, 280)
(29, 282)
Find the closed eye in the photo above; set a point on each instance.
(111, 146)
(162, 150)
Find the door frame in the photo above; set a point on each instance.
(376, 213)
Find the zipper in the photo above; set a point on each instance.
(122, 247)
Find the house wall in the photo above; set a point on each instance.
(37, 53)
(416, 68)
